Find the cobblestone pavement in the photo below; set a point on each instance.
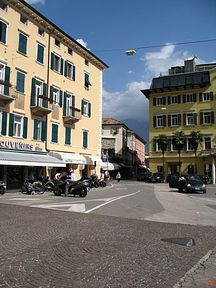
(42, 248)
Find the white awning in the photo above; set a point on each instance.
(111, 166)
(92, 160)
(28, 159)
(68, 158)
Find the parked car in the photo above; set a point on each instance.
(158, 178)
(205, 178)
(187, 183)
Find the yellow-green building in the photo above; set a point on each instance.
(50, 98)
(183, 100)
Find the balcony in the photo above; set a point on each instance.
(7, 93)
(72, 115)
(208, 152)
(40, 105)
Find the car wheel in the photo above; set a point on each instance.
(204, 192)
(180, 190)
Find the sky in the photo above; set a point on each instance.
(110, 27)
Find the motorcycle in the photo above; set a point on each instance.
(30, 187)
(80, 188)
(2, 187)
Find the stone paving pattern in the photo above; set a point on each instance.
(55, 249)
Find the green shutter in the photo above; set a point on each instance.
(3, 31)
(35, 133)
(4, 123)
(82, 107)
(44, 129)
(54, 133)
(62, 66)
(25, 127)
(51, 94)
(11, 124)
(40, 53)
(33, 92)
(68, 135)
(20, 84)
(65, 101)
(85, 139)
(52, 61)
(60, 98)
(7, 80)
(22, 43)
(45, 101)
(66, 69)
(89, 109)
(74, 73)
(73, 105)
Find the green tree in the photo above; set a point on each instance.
(179, 141)
(196, 140)
(162, 145)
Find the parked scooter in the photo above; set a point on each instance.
(2, 187)
(80, 188)
(30, 187)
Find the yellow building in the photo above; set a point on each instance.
(184, 100)
(50, 98)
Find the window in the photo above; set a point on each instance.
(159, 121)
(69, 70)
(86, 108)
(39, 130)
(40, 53)
(54, 133)
(20, 82)
(22, 43)
(3, 5)
(57, 63)
(174, 120)
(207, 142)
(18, 125)
(70, 51)
(207, 117)
(174, 99)
(67, 135)
(3, 32)
(86, 80)
(85, 139)
(69, 104)
(57, 42)
(157, 101)
(189, 98)
(206, 96)
(56, 96)
(23, 19)
(41, 32)
(2, 77)
(190, 119)
(189, 144)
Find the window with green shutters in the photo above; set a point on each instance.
(20, 82)
(69, 70)
(40, 53)
(85, 139)
(54, 133)
(22, 43)
(3, 32)
(18, 125)
(3, 123)
(86, 80)
(67, 135)
(86, 108)
(57, 63)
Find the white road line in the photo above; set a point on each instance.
(115, 199)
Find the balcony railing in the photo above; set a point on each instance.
(40, 105)
(7, 92)
(207, 152)
(72, 115)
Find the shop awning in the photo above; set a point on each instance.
(68, 158)
(92, 160)
(28, 159)
(111, 166)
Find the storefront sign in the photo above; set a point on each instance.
(20, 146)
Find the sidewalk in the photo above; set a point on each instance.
(202, 275)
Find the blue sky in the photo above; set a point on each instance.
(109, 27)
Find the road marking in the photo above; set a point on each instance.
(21, 199)
(77, 207)
(108, 202)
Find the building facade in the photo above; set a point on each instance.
(122, 146)
(50, 97)
(184, 100)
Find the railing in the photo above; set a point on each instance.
(7, 91)
(40, 101)
(72, 114)
(211, 151)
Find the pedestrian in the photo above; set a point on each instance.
(118, 176)
(72, 175)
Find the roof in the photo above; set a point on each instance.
(23, 2)
(111, 121)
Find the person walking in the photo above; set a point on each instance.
(118, 176)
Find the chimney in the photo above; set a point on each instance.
(189, 65)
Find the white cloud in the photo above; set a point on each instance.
(35, 1)
(82, 42)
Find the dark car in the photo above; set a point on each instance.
(157, 178)
(187, 183)
(205, 178)
(145, 176)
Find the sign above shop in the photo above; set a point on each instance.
(17, 145)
